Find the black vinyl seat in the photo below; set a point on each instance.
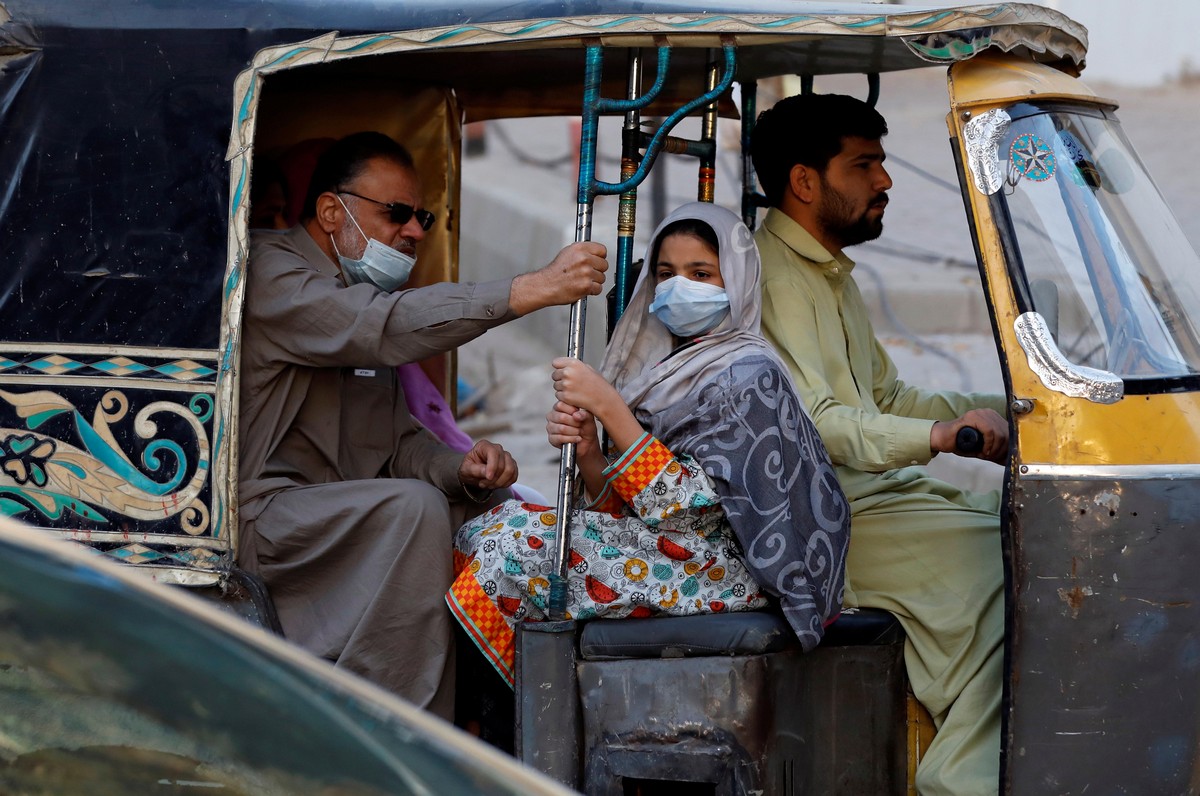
(741, 633)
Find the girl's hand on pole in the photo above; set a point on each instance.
(579, 385)
(569, 424)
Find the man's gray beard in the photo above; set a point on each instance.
(350, 242)
(357, 244)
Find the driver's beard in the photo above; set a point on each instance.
(836, 217)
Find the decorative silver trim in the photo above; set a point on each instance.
(178, 576)
(1109, 472)
(1059, 374)
(983, 134)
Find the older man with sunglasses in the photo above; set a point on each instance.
(348, 506)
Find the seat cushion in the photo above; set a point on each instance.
(741, 633)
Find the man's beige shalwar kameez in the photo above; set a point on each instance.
(347, 505)
(920, 548)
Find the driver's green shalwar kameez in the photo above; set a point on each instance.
(920, 548)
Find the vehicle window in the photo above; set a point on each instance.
(103, 691)
(1105, 261)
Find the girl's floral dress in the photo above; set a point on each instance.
(655, 542)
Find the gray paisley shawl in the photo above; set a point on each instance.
(728, 402)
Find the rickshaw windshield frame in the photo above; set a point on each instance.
(1095, 250)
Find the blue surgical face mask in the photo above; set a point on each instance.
(380, 265)
(689, 308)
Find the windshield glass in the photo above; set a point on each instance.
(1106, 263)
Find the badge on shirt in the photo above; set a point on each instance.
(370, 374)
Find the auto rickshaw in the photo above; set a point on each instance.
(128, 139)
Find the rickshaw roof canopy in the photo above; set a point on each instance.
(515, 59)
(836, 37)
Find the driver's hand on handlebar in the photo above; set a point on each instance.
(488, 466)
(575, 272)
(991, 426)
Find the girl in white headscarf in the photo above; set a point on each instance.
(721, 492)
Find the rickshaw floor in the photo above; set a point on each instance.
(484, 705)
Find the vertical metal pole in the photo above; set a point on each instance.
(627, 210)
(707, 178)
(749, 116)
(593, 72)
(547, 687)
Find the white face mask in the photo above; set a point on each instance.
(689, 308)
(380, 265)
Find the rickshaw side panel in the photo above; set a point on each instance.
(113, 228)
(121, 462)
(1108, 659)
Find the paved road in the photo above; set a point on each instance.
(920, 276)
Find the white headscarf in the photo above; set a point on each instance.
(640, 340)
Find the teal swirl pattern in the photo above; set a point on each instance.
(91, 476)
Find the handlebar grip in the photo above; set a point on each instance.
(968, 440)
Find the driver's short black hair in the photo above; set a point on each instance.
(345, 160)
(807, 129)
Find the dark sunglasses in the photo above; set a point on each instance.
(399, 212)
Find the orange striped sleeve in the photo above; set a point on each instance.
(638, 467)
(609, 502)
